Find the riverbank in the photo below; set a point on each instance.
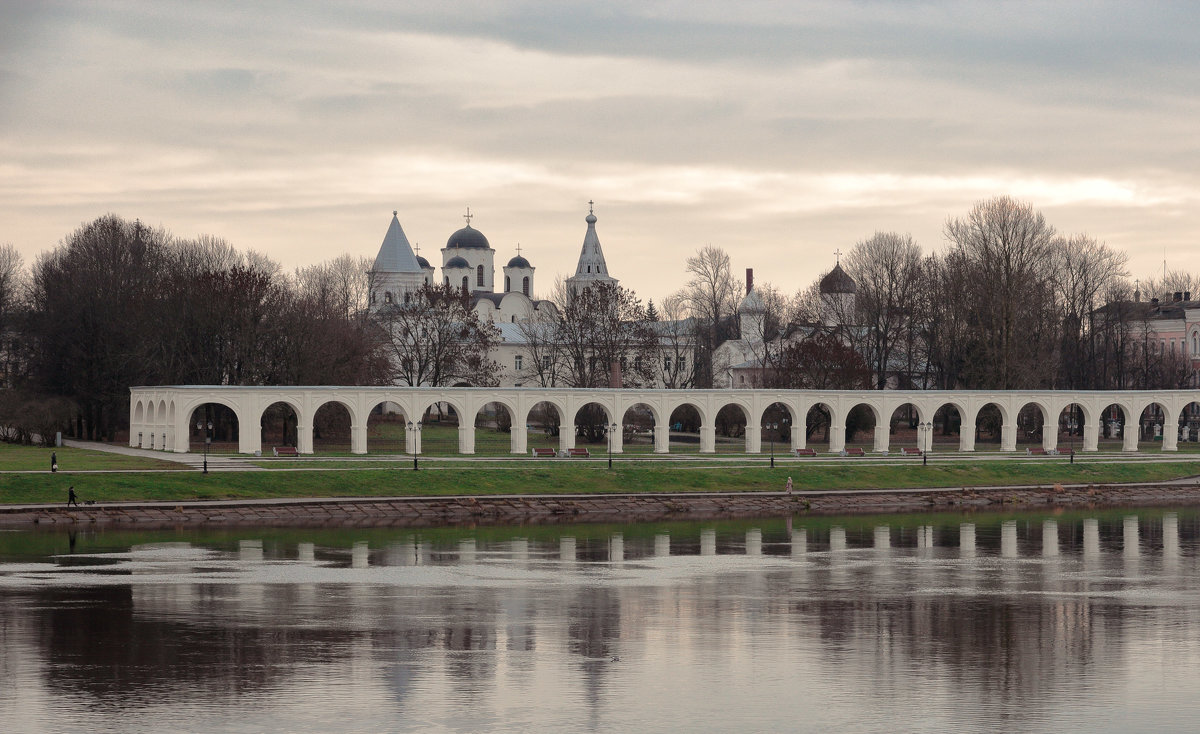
(625, 507)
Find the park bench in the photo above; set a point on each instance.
(286, 451)
(854, 451)
(806, 452)
(543, 453)
(911, 451)
(1039, 451)
(577, 453)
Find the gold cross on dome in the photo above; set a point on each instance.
(467, 216)
(518, 248)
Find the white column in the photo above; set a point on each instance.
(304, 439)
(966, 437)
(882, 436)
(617, 438)
(358, 438)
(1008, 436)
(466, 438)
(798, 435)
(1129, 434)
(708, 439)
(1050, 435)
(1091, 437)
(662, 439)
(519, 440)
(754, 439)
(837, 437)
(566, 437)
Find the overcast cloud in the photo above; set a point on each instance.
(779, 131)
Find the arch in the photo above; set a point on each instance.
(592, 420)
(1153, 417)
(1110, 426)
(332, 427)
(150, 413)
(818, 425)
(543, 425)
(466, 283)
(162, 410)
(443, 424)
(279, 424)
(683, 424)
(507, 284)
(386, 428)
(1033, 418)
(139, 411)
(1071, 425)
(992, 424)
(525, 286)
(495, 430)
(775, 426)
(226, 426)
(947, 420)
(1188, 422)
(479, 276)
(903, 429)
(731, 423)
(640, 426)
(865, 426)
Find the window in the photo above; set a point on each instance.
(507, 284)
(525, 285)
(666, 363)
(479, 276)
(387, 297)
(518, 362)
(372, 297)
(1172, 347)
(447, 280)
(637, 363)
(406, 299)
(682, 362)
(589, 268)
(466, 284)
(545, 361)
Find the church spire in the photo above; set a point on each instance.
(591, 267)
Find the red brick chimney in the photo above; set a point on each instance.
(749, 280)
(614, 375)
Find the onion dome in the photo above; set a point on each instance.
(423, 262)
(468, 238)
(518, 262)
(838, 281)
(457, 262)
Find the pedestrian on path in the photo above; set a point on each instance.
(53, 461)
(72, 498)
(789, 485)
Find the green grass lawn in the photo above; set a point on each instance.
(32, 458)
(442, 478)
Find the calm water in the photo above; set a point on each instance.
(1067, 623)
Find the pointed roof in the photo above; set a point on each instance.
(591, 266)
(395, 254)
(838, 281)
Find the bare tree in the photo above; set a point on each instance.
(1008, 247)
(1083, 270)
(676, 333)
(438, 339)
(711, 297)
(601, 325)
(541, 348)
(887, 271)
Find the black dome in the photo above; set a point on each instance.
(838, 281)
(468, 237)
(423, 262)
(518, 262)
(457, 262)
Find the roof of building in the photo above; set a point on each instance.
(424, 263)
(518, 262)
(469, 238)
(395, 254)
(456, 262)
(752, 303)
(838, 281)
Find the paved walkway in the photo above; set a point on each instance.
(216, 462)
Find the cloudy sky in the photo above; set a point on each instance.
(778, 131)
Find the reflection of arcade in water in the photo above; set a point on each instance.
(1000, 608)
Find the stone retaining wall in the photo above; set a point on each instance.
(434, 511)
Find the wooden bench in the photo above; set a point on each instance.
(286, 451)
(806, 452)
(854, 451)
(543, 453)
(578, 453)
(911, 451)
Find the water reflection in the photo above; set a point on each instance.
(1014, 623)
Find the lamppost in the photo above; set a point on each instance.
(1071, 428)
(611, 427)
(414, 435)
(207, 440)
(927, 431)
(770, 427)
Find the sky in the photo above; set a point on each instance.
(779, 131)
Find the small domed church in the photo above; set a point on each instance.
(468, 263)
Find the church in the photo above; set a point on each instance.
(468, 263)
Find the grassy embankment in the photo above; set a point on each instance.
(532, 477)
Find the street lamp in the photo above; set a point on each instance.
(207, 440)
(1071, 429)
(414, 433)
(612, 427)
(770, 427)
(927, 430)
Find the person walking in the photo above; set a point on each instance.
(53, 461)
(72, 498)
(789, 485)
